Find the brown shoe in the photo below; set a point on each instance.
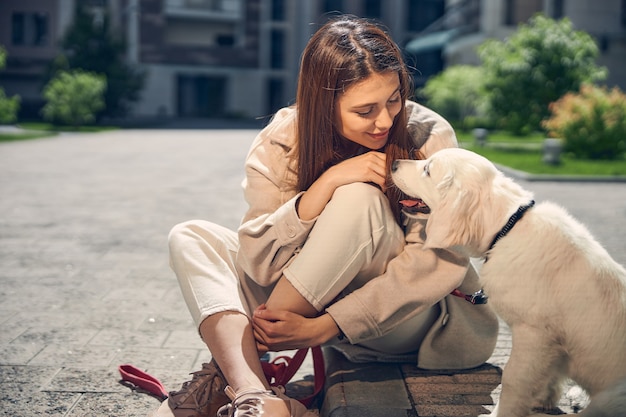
(200, 397)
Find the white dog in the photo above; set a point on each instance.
(560, 292)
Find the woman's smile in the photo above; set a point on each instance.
(380, 136)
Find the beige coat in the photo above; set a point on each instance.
(271, 234)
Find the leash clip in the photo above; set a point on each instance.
(479, 297)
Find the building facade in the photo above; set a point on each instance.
(240, 58)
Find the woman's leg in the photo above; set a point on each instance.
(352, 241)
(202, 255)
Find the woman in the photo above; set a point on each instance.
(324, 250)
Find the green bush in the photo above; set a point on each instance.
(592, 123)
(538, 64)
(458, 94)
(97, 46)
(74, 98)
(9, 106)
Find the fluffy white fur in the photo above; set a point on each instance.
(558, 289)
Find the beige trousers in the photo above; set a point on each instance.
(351, 242)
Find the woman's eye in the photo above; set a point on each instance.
(364, 113)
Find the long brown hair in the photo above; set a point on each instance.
(341, 53)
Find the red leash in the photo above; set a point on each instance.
(283, 368)
(278, 372)
(143, 380)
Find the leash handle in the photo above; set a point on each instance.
(143, 380)
(280, 370)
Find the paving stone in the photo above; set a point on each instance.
(184, 339)
(114, 405)
(151, 358)
(77, 356)
(137, 338)
(24, 401)
(85, 380)
(10, 330)
(47, 335)
(160, 320)
(450, 410)
(34, 376)
(19, 354)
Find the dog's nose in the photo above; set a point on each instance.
(394, 166)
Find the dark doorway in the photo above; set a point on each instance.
(201, 96)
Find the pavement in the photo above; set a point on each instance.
(85, 284)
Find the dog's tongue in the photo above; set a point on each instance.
(415, 206)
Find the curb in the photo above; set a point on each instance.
(404, 390)
(522, 175)
(363, 389)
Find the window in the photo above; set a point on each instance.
(278, 10)
(275, 89)
(29, 29)
(427, 64)
(225, 40)
(519, 11)
(422, 13)
(277, 49)
(372, 9)
(557, 9)
(332, 6)
(201, 96)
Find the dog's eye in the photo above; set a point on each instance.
(427, 170)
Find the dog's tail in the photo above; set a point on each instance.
(608, 403)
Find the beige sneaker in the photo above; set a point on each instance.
(260, 403)
(201, 397)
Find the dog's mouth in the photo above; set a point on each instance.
(414, 206)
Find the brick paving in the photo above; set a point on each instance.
(85, 283)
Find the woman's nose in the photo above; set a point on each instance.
(384, 120)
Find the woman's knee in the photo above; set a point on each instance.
(180, 233)
(186, 232)
(357, 199)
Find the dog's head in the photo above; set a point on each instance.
(467, 196)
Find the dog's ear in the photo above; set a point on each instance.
(457, 220)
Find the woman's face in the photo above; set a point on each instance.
(366, 110)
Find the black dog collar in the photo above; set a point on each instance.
(512, 220)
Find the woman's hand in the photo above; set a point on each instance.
(277, 330)
(369, 168)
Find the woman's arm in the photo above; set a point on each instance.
(277, 330)
(414, 281)
(368, 167)
(271, 231)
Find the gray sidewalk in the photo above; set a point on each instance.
(85, 284)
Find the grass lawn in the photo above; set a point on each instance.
(13, 136)
(525, 154)
(41, 130)
(47, 127)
